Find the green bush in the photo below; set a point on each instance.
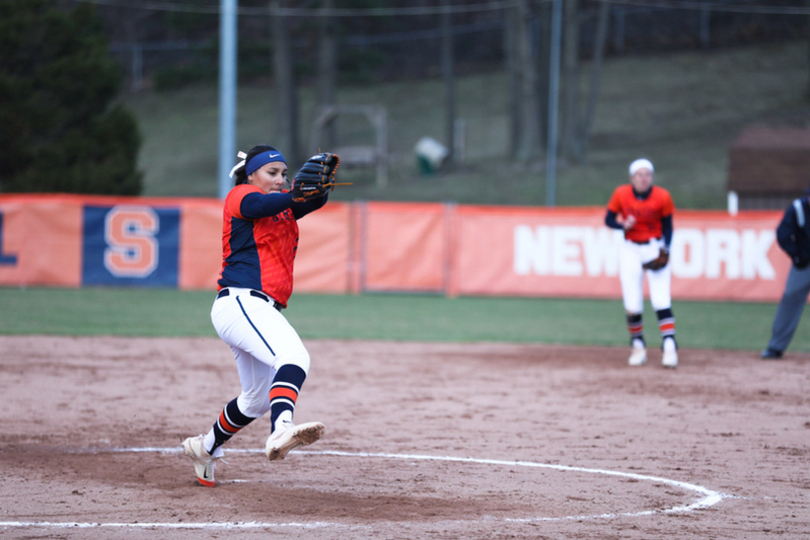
(57, 83)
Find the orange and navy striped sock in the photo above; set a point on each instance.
(284, 391)
(666, 323)
(230, 421)
(635, 326)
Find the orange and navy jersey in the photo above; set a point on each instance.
(648, 211)
(258, 252)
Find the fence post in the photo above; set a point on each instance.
(227, 94)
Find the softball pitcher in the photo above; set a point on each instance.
(644, 213)
(259, 242)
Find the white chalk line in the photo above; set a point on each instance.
(709, 497)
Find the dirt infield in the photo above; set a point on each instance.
(423, 441)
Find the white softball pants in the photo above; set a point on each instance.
(631, 257)
(262, 341)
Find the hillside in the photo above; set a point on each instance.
(681, 110)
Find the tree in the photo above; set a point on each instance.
(577, 124)
(513, 80)
(524, 106)
(807, 3)
(60, 131)
(286, 88)
(596, 77)
(448, 74)
(569, 137)
(543, 62)
(327, 72)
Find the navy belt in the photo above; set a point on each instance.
(257, 294)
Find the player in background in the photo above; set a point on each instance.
(644, 212)
(259, 241)
(793, 235)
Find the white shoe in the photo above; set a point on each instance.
(669, 357)
(203, 461)
(288, 436)
(638, 357)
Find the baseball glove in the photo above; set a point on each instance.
(659, 262)
(316, 177)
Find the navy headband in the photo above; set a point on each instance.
(260, 160)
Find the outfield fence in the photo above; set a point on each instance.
(74, 241)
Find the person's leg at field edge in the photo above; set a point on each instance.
(789, 312)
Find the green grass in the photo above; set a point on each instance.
(168, 312)
(682, 110)
(105, 311)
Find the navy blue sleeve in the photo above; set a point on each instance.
(611, 221)
(666, 230)
(258, 205)
(786, 232)
(303, 208)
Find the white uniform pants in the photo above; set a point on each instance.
(262, 341)
(631, 257)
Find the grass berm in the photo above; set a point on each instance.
(682, 110)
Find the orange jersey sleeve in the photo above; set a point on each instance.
(648, 212)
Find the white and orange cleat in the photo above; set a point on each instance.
(204, 462)
(669, 356)
(639, 355)
(288, 436)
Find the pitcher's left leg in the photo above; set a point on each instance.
(292, 363)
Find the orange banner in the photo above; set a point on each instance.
(200, 244)
(40, 242)
(571, 253)
(66, 240)
(326, 258)
(404, 247)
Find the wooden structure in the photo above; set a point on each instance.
(361, 156)
(769, 167)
